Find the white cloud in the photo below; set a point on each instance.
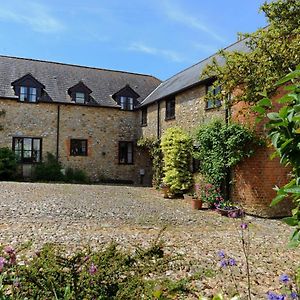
(178, 15)
(35, 15)
(169, 54)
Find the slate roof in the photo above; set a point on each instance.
(58, 78)
(190, 76)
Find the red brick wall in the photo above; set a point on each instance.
(255, 177)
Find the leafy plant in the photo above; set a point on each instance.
(109, 273)
(220, 147)
(154, 149)
(177, 148)
(75, 176)
(273, 51)
(284, 132)
(49, 170)
(8, 164)
(211, 195)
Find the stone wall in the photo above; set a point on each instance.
(190, 112)
(102, 127)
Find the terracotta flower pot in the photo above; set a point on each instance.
(196, 204)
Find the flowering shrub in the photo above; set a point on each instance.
(104, 274)
(211, 195)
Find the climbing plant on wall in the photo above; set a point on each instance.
(176, 147)
(221, 146)
(153, 147)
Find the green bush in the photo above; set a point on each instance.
(220, 147)
(49, 170)
(109, 273)
(8, 164)
(76, 176)
(177, 148)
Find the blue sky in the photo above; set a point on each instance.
(158, 37)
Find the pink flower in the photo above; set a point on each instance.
(2, 263)
(93, 269)
(9, 250)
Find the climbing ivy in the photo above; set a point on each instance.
(176, 147)
(221, 146)
(153, 147)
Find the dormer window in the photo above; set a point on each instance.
(80, 97)
(80, 93)
(126, 103)
(126, 98)
(28, 89)
(28, 94)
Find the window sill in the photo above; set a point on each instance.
(126, 164)
(213, 107)
(71, 155)
(169, 118)
(144, 125)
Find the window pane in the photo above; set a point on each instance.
(130, 103)
(18, 144)
(129, 153)
(80, 97)
(23, 93)
(32, 94)
(18, 155)
(78, 147)
(27, 142)
(123, 102)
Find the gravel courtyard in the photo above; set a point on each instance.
(77, 215)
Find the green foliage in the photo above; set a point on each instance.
(211, 195)
(49, 170)
(8, 164)
(273, 52)
(75, 176)
(220, 147)
(284, 132)
(153, 146)
(109, 273)
(177, 148)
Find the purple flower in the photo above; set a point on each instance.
(9, 250)
(232, 262)
(223, 263)
(294, 295)
(244, 226)
(284, 278)
(16, 283)
(273, 296)
(221, 254)
(93, 269)
(2, 263)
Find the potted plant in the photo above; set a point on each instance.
(165, 189)
(228, 209)
(196, 202)
(211, 195)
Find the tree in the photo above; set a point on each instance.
(273, 52)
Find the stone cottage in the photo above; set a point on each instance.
(91, 119)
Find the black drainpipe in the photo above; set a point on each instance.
(158, 119)
(57, 132)
(228, 171)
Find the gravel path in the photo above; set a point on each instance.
(77, 215)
